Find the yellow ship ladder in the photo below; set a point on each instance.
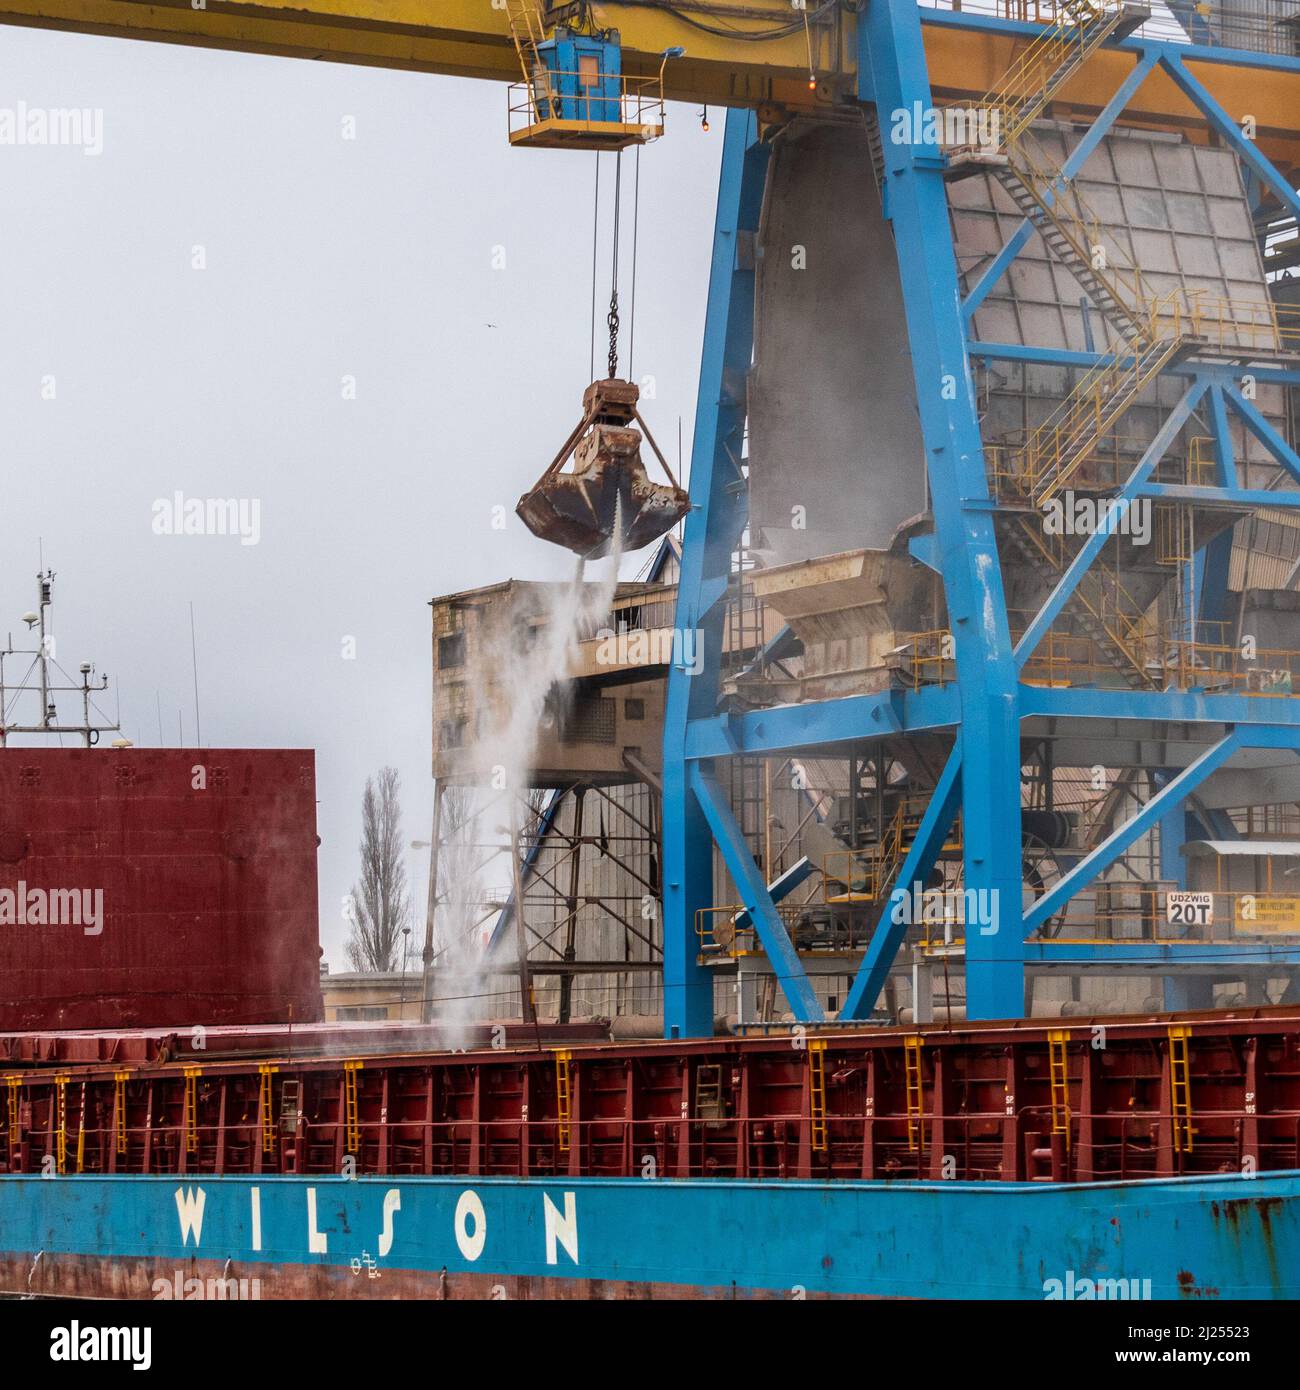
(817, 1092)
(1180, 1086)
(563, 1101)
(266, 1099)
(350, 1114)
(81, 1131)
(915, 1101)
(12, 1084)
(192, 1075)
(119, 1109)
(1059, 1073)
(61, 1121)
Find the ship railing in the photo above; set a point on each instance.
(1118, 916)
(1124, 915)
(1116, 1144)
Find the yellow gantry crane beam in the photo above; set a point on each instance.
(471, 38)
(764, 57)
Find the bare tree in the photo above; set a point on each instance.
(380, 905)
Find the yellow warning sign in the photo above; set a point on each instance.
(1266, 912)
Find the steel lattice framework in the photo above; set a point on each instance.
(985, 706)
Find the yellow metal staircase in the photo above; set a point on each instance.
(868, 874)
(1109, 616)
(1150, 334)
(1052, 59)
(1054, 451)
(892, 849)
(1075, 233)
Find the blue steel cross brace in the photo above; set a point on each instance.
(713, 528)
(892, 73)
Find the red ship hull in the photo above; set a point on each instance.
(182, 883)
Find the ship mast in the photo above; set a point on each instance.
(48, 676)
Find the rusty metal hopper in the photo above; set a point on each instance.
(578, 509)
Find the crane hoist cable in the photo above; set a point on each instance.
(812, 67)
(611, 319)
(595, 242)
(608, 498)
(636, 223)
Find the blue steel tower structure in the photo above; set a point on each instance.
(984, 707)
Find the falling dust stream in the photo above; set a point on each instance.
(522, 672)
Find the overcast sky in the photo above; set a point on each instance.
(127, 375)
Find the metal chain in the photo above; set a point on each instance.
(612, 320)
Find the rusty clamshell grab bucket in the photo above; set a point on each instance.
(578, 509)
